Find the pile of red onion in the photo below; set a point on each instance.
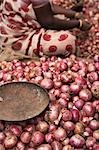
(71, 120)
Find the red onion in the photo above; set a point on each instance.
(48, 75)
(67, 115)
(77, 141)
(67, 147)
(15, 129)
(47, 83)
(57, 84)
(79, 104)
(2, 137)
(88, 131)
(88, 110)
(97, 66)
(65, 96)
(96, 134)
(65, 77)
(95, 89)
(65, 89)
(85, 95)
(65, 142)
(42, 126)
(75, 88)
(60, 134)
(44, 147)
(10, 141)
(90, 142)
(49, 137)
(68, 125)
(52, 127)
(20, 146)
(37, 138)
(25, 137)
(93, 76)
(94, 124)
(79, 128)
(91, 67)
(63, 102)
(80, 80)
(56, 145)
(75, 115)
(96, 146)
(30, 128)
(54, 113)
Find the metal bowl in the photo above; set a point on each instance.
(21, 101)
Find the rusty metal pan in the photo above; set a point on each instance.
(21, 101)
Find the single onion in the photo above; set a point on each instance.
(42, 126)
(49, 137)
(90, 142)
(85, 95)
(65, 89)
(95, 89)
(37, 138)
(66, 115)
(96, 146)
(47, 83)
(79, 128)
(79, 104)
(68, 125)
(63, 102)
(30, 128)
(15, 129)
(56, 145)
(75, 88)
(10, 141)
(93, 76)
(77, 141)
(52, 127)
(96, 134)
(25, 137)
(20, 146)
(60, 134)
(44, 147)
(94, 124)
(88, 109)
(75, 115)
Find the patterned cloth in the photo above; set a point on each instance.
(20, 30)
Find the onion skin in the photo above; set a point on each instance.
(49, 137)
(79, 104)
(16, 130)
(66, 115)
(67, 147)
(2, 137)
(77, 141)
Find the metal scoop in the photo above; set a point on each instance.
(21, 101)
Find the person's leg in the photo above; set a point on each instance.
(58, 43)
(78, 7)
